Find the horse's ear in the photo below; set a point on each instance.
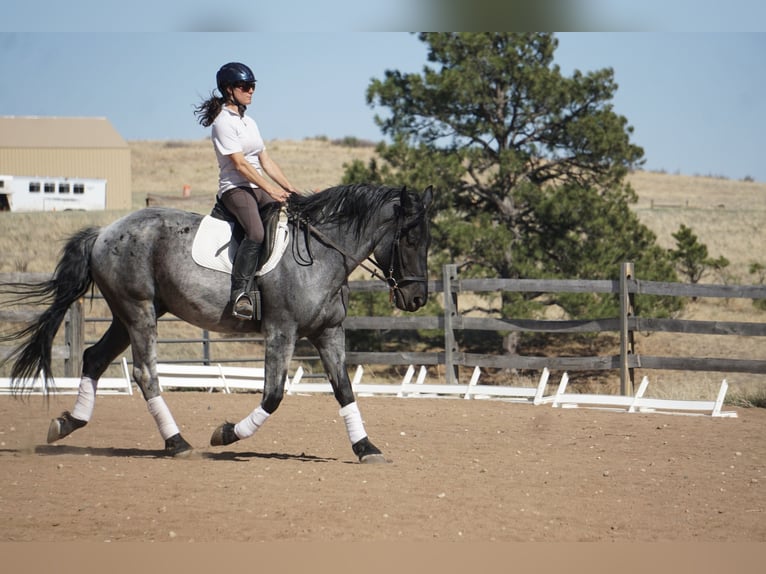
(404, 199)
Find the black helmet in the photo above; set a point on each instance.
(231, 74)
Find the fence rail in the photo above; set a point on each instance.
(626, 324)
(451, 322)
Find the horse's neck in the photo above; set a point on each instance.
(356, 251)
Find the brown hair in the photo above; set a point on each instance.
(208, 110)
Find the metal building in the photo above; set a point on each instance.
(58, 147)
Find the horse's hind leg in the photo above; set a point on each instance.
(143, 341)
(96, 360)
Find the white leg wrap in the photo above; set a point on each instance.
(86, 399)
(161, 413)
(251, 423)
(354, 424)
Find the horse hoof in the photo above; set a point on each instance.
(373, 459)
(177, 447)
(54, 431)
(63, 426)
(367, 452)
(224, 435)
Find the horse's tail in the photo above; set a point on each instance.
(70, 281)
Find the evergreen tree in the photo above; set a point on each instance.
(529, 164)
(691, 257)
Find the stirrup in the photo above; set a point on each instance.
(254, 300)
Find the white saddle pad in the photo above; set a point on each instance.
(211, 245)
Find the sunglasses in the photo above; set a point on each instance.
(246, 86)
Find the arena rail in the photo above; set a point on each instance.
(69, 385)
(230, 379)
(527, 395)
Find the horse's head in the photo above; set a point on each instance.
(403, 254)
(392, 221)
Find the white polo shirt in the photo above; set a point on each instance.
(232, 134)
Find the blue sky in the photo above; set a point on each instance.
(291, 16)
(695, 99)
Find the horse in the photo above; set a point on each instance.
(143, 267)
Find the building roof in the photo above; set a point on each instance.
(58, 132)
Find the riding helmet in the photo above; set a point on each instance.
(233, 73)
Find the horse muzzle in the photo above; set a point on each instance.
(410, 296)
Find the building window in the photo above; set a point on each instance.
(78, 188)
(49, 187)
(63, 188)
(34, 187)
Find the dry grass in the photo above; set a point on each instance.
(728, 216)
(165, 167)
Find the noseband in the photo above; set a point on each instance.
(396, 251)
(388, 278)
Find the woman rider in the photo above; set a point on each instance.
(242, 160)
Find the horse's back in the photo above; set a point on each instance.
(132, 251)
(155, 217)
(151, 228)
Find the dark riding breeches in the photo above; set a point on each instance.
(243, 203)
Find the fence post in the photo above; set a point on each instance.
(74, 335)
(205, 347)
(627, 273)
(450, 313)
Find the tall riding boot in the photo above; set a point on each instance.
(244, 293)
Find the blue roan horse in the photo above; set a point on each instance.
(142, 265)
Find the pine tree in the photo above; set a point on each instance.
(691, 256)
(529, 164)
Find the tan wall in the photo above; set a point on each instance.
(111, 164)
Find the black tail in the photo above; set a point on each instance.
(70, 281)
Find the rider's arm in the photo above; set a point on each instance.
(275, 172)
(251, 174)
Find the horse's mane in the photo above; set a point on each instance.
(353, 205)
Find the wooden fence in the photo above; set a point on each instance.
(626, 288)
(451, 322)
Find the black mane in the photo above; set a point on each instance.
(353, 205)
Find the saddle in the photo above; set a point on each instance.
(219, 236)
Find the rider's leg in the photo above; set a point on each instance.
(242, 284)
(243, 203)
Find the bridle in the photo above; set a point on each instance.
(388, 274)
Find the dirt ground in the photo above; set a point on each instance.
(459, 470)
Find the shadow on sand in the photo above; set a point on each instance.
(226, 455)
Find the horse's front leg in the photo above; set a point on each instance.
(279, 351)
(331, 345)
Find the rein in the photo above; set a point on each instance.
(389, 279)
